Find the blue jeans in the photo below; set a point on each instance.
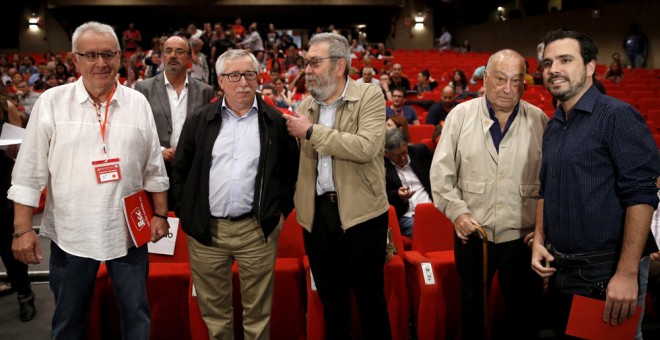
(72, 281)
(569, 281)
(406, 225)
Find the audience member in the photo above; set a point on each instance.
(385, 86)
(424, 82)
(439, 111)
(607, 179)
(445, 39)
(474, 184)
(17, 272)
(27, 66)
(131, 38)
(636, 46)
(344, 217)
(368, 77)
(406, 177)
(460, 84)
(399, 122)
(614, 72)
(200, 67)
(272, 37)
(252, 41)
(478, 74)
(238, 29)
(26, 96)
(233, 195)
(398, 107)
(84, 217)
(397, 79)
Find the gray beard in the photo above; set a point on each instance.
(322, 90)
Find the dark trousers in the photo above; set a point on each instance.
(520, 286)
(17, 271)
(72, 280)
(344, 260)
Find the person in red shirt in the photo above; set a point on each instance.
(239, 29)
(131, 38)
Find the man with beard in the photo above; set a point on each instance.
(598, 189)
(173, 96)
(439, 111)
(485, 172)
(340, 198)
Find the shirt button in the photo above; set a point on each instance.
(499, 207)
(499, 178)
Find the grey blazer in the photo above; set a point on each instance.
(199, 95)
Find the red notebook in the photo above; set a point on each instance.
(586, 321)
(138, 212)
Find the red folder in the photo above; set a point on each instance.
(138, 212)
(586, 321)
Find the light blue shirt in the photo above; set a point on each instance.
(324, 180)
(234, 163)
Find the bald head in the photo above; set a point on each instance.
(508, 55)
(504, 80)
(448, 97)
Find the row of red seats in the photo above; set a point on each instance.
(435, 305)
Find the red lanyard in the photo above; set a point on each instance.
(105, 119)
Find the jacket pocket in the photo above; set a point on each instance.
(367, 180)
(529, 190)
(471, 186)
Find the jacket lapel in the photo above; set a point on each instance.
(163, 99)
(193, 93)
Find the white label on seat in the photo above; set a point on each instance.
(311, 278)
(427, 269)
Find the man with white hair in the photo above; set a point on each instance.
(368, 77)
(92, 143)
(233, 180)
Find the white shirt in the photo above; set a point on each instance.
(373, 81)
(445, 41)
(409, 179)
(324, 180)
(655, 225)
(234, 163)
(63, 138)
(178, 109)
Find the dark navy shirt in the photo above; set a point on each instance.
(406, 111)
(496, 130)
(595, 164)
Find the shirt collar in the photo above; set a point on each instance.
(82, 95)
(585, 104)
(396, 166)
(253, 110)
(336, 102)
(491, 111)
(167, 82)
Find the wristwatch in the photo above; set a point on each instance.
(308, 134)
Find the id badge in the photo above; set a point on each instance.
(107, 171)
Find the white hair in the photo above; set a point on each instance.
(231, 55)
(95, 27)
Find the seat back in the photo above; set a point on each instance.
(420, 132)
(290, 243)
(433, 231)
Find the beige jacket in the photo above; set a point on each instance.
(468, 175)
(356, 143)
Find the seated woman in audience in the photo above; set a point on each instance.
(275, 65)
(399, 122)
(460, 84)
(425, 83)
(614, 73)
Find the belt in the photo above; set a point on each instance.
(584, 260)
(330, 196)
(245, 216)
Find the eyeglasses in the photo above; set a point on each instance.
(236, 76)
(314, 62)
(179, 51)
(92, 56)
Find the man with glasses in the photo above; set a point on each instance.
(91, 143)
(485, 171)
(173, 96)
(398, 107)
(233, 179)
(340, 194)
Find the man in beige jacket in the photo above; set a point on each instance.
(485, 171)
(340, 195)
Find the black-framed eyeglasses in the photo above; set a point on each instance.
(179, 51)
(314, 62)
(236, 76)
(92, 56)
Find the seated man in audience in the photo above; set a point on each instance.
(26, 96)
(438, 111)
(397, 79)
(368, 77)
(398, 108)
(27, 66)
(406, 177)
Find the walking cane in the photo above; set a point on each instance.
(484, 237)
